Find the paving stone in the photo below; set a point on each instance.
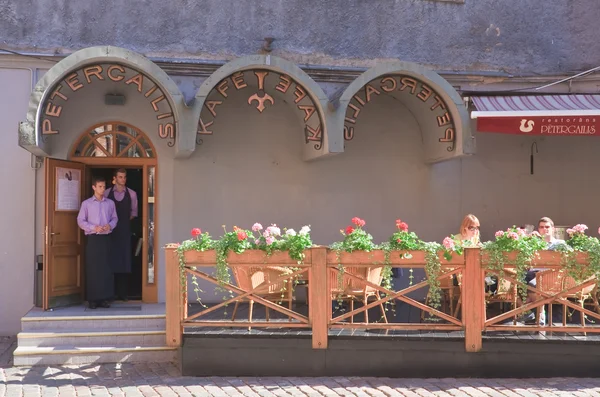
(162, 379)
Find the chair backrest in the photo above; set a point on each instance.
(248, 278)
(350, 285)
(555, 281)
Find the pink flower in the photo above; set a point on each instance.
(196, 232)
(599, 230)
(521, 232)
(499, 233)
(580, 228)
(513, 235)
(570, 231)
(448, 243)
(270, 240)
(358, 222)
(257, 242)
(257, 227)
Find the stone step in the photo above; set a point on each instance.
(95, 338)
(94, 323)
(71, 355)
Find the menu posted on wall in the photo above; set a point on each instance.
(68, 189)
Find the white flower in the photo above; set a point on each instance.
(290, 232)
(274, 230)
(305, 230)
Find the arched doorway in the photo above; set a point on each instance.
(105, 147)
(99, 151)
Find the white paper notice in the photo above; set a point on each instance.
(68, 189)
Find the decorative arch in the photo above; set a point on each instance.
(309, 97)
(112, 140)
(438, 108)
(30, 131)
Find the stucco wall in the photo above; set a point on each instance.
(512, 35)
(17, 232)
(250, 171)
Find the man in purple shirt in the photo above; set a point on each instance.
(97, 218)
(126, 203)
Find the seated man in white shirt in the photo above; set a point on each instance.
(546, 230)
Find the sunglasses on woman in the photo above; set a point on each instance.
(473, 228)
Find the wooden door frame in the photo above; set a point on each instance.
(149, 291)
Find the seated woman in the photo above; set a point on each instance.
(468, 236)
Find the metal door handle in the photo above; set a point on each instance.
(54, 234)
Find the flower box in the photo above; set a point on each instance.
(397, 258)
(540, 260)
(250, 257)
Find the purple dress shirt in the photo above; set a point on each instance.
(94, 212)
(119, 196)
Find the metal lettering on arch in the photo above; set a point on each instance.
(263, 91)
(415, 94)
(114, 78)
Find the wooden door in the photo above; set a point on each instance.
(63, 241)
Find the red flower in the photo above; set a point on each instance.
(398, 241)
(349, 229)
(241, 235)
(403, 226)
(196, 232)
(358, 222)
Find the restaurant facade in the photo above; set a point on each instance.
(273, 135)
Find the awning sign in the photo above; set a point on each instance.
(540, 125)
(539, 114)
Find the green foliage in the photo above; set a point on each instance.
(199, 242)
(578, 243)
(513, 239)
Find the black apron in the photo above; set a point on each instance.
(99, 275)
(121, 235)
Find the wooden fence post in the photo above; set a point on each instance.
(173, 299)
(320, 298)
(473, 312)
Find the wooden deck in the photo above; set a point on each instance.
(270, 336)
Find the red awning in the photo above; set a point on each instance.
(538, 114)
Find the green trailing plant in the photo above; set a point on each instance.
(513, 239)
(238, 241)
(577, 243)
(199, 242)
(295, 243)
(404, 241)
(355, 239)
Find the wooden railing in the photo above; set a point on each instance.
(269, 281)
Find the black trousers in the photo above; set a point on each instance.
(99, 280)
(122, 285)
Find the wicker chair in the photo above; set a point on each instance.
(352, 289)
(507, 292)
(553, 281)
(248, 278)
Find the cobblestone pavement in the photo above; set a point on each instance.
(8, 344)
(153, 379)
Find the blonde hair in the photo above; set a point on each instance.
(468, 221)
